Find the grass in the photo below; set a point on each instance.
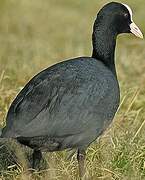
(34, 35)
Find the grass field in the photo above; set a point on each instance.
(36, 34)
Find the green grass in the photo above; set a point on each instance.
(35, 34)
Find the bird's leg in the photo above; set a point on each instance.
(81, 162)
(37, 156)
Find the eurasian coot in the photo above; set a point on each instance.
(70, 104)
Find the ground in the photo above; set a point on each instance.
(36, 34)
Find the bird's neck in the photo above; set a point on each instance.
(104, 43)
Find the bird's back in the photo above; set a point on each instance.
(65, 100)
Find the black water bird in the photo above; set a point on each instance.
(70, 104)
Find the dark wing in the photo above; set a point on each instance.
(59, 101)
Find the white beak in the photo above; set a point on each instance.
(135, 30)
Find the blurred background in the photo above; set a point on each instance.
(36, 34)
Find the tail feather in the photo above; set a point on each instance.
(2, 138)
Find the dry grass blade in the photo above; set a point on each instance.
(138, 131)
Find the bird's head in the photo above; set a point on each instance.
(118, 17)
